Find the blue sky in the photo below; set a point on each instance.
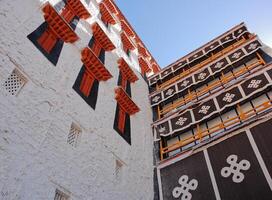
(172, 28)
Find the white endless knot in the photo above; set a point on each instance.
(240, 31)
(181, 121)
(227, 38)
(254, 84)
(184, 189)
(156, 99)
(162, 129)
(252, 46)
(236, 55)
(235, 168)
(202, 75)
(228, 97)
(204, 109)
(218, 65)
(185, 83)
(169, 92)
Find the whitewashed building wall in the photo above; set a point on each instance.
(35, 158)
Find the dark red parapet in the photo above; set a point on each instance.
(125, 102)
(94, 65)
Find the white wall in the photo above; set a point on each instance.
(34, 155)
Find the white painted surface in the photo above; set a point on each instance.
(34, 155)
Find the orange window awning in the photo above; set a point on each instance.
(78, 9)
(142, 50)
(58, 25)
(143, 64)
(110, 6)
(155, 68)
(125, 102)
(94, 65)
(127, 42)
(102, 37)
(127, 28)
(106, 14)
(126, 71)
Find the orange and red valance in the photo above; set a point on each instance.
(57, 25)
(94, 65)
(106, 14)
(102, 37)
(125, 102)
(127, 28)
(127, 42)
(155, 68)
(77, 8)
(143, 64)
(126, 71)
(110, 6)
(142, 50)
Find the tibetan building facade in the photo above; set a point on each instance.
(74, 112)
(212, 121)
(78, 93)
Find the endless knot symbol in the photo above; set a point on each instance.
(156, 99)
(185, 83)
(254, 83)
(165, 72)
(162, 129)
(218, 65)
(235, 168)
(252, 46)
(236, 55)
(211, 46)
(202, 75)
(195, 56)
(227, 38)
(204, 109)
(169, 92)
(240, 31)
(181, 121)
(184, 188)
(228, 97)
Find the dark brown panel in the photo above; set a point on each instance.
(192, 171)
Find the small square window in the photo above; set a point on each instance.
(74, 135)
(14, 82)
(60, 196)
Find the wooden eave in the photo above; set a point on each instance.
(143, 64)
(127, 28)
(94, 65)
(78, 8)
(125, 102)
(102, 37)
(58, 25)
(127, 71)
(110, 6)
(106, 14)
(127, 42)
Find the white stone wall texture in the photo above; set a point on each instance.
(35, 158)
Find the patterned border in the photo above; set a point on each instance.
(227, 37)
(242, 91)
(213, 68)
